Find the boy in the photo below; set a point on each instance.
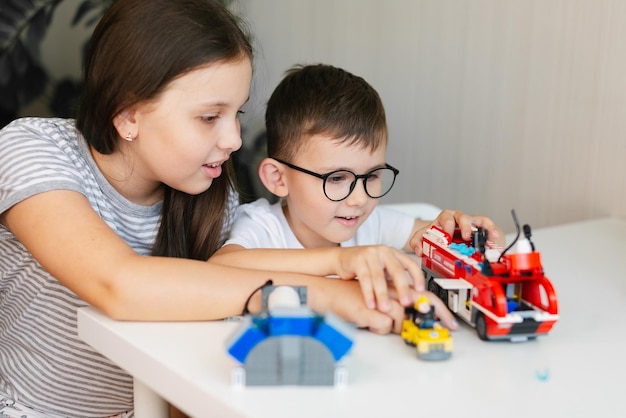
(327, 139)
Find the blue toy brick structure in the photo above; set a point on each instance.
(291, 346)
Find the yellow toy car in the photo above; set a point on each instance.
(432, 343)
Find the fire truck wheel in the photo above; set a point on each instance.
(481, 327)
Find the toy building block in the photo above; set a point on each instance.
(290, 360)
(336, 335)
(291, 321)
(244, 339)
(289, 344)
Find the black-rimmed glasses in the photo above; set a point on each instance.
(339, 184)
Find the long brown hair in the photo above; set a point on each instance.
(135, 51)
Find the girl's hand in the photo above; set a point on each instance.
(448, 220)
(377, 268)
(343, 297)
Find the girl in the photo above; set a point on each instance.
(121, 208)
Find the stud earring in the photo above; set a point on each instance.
(129, 137)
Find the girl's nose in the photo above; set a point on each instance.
(230, 139)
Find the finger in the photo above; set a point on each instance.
(417, 247)
(446, 221)
(396, 265)
(465, 223)
(393, 295)
(367, 289)
(348, 258)
(497, 237)
(416, 274)
(494, 233)
(396, 313)
(416, 241)
(442, 312)
(414, 270)
(376, 266)
(378, 322)
(345, 301)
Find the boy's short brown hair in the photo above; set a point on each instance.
(322, 99)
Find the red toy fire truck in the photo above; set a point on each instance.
(503, 294)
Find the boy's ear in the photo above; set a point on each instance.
(272, 175)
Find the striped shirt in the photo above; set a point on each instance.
(43, 363)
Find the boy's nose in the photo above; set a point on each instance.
(358, 197)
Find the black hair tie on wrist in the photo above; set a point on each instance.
(246, 311)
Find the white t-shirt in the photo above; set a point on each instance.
(261, 225)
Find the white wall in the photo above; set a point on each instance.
(491, 104)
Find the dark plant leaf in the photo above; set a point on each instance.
(6, 31)
(100, 6)
(23, 26)
(21, 6)
(84, 8)
(8, 99)
(13, 11)
(19, 59)
(9, 32)
(50, 8)
(5, 70)
(23, 88)
(65, 98)
(93, 20)
(35, 33)
(35, 79)
(6, 117)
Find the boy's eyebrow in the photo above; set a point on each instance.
(374, 167)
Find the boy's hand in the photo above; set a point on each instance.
(448, 220)
(377, 267)
(441, 310)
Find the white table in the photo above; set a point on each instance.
(577, 370)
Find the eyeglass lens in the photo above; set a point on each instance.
(339, 185)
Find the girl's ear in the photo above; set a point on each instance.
(272, 175)
(126, 124)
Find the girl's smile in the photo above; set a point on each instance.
(183, 138)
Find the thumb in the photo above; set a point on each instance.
(416, 243)
(418, 248)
